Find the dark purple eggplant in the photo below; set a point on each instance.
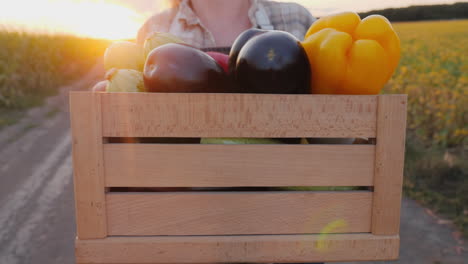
(274, 62)
(176, 68)
(239, 43)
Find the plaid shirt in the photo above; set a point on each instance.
(184, 23)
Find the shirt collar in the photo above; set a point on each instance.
(187, 14)
(252, 13)
(259, 17)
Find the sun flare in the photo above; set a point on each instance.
(121, 19)
(91, 18)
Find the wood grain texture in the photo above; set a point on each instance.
(158, 165)
(389, 161)
(88, 167)
(238, 213)
(237, 115)
(238, 249)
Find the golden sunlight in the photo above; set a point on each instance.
(121, 19)
(91, 18)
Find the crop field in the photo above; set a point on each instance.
(434, 73)
(33, 66)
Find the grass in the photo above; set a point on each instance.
(52, 112)
(439, 179)
(9, 117)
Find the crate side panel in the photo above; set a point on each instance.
(159, 165)
(239, 249)
(238, 115)
(238, 213)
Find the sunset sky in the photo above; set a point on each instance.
(117, 19)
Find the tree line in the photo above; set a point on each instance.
(423, 12)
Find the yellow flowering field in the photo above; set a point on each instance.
(433, 71)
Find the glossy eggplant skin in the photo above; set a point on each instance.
(176, 68)
(239, 43)
(274, 62)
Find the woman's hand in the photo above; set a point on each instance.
(100, 86)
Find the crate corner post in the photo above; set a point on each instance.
(389, 163)
(88, 167)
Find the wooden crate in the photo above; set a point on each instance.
(227, 227)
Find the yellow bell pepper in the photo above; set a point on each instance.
(348, 55)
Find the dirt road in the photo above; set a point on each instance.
(36, 196)
(36, 191)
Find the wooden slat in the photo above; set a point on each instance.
(238, 213)
(238, 249)
(390, 149)
(238, 115)
(88, 165)
(154, 165)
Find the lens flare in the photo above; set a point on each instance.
(333, 227)
(339, 225)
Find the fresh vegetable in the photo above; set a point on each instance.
(273, 62)
(124, 80)
(176, 68)
(321, 188)
(234, 141)
(158, 39)
(329, 141)
(100, 86)
(351, 56)
(221, 59)
(239, 44)
(124, 55)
